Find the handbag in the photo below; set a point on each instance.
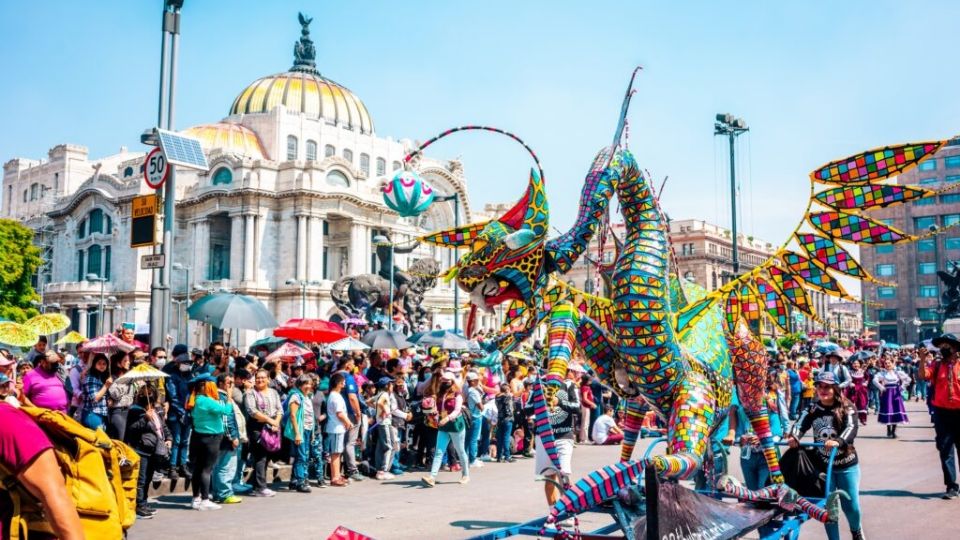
(269, 439)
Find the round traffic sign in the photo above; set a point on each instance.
(156, 169)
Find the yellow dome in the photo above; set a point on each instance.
(307, 93)
(232, 138)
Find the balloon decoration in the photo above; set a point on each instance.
(407, 194)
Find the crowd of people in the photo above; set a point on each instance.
(219, 418)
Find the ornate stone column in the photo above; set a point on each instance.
(83, 319)
(248, 243)
(236, 247)
(301, 247)
(315, 249)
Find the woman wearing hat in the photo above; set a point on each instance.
(890, 382)
(944, 386)
(833, 420)
(451, 428)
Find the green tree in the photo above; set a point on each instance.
(19, 261)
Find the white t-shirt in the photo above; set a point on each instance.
(335, 404)
(601, 428)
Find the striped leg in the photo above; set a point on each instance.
(760, 421)
(561, 338)
(631, 427)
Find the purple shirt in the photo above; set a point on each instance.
(45, 390)
(21, 441)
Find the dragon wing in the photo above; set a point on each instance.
(839, 192)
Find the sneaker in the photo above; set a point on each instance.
(429, 481)
(511, 459)
(356, 477)
(265, 492)
(951, 494)
(304, 488)
(143, 513)
(209, 505)
(456, 468)
(231, 499)
(487, 458)
(397, 471)
(464, 480)
(197, 504)
(476, 464)
(173, 475)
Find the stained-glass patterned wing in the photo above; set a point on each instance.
(463, 236)
(733, 308)
(828, 254)
(750, 305)
(692, 314)
(854, 228)
(792, 290)
(772, 303)
(812, 274)
(870, 196)
(874, 164)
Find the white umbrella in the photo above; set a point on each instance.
(348, 344)
(143, 372)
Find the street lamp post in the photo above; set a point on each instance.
(186, 269)
(732, 127)
(381, 240)
(456, 288)
(102, 280)
(936, 264)
(179, 303)
(302, 283)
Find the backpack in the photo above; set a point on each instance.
(100, 475)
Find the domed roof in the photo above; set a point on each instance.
(302, 89)
(232, 138)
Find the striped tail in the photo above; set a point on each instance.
(632, 424)
(561, 337)
(760, 421)
(542, 427)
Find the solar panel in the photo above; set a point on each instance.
(182, 150)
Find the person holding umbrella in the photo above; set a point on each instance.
(95, 385)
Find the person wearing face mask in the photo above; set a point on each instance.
(158, 357)
(177, 389)
(43, 385)
(943, 378)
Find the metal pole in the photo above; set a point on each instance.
(172, 25)
(156, 287)
(390, 307)
(733, 207)
(303, 299)
(100, 314)
(456, 287)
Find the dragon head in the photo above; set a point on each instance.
(506, 258)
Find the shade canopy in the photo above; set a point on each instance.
(386, 339)
(230, 310)
(348, 344)
(445, 339)
(310, 330)
(107, 344)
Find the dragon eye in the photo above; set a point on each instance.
(473, 271)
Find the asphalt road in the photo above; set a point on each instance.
(900, 492)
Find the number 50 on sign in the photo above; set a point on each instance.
(156, 169)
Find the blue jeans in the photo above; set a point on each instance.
(754, 467)
(443, 439)
(922, 389)
(223, 473)
(794, 404)
(873, 398)
(849, 481)
(315, 470)
(238, 485)
(484, 448)
(504, 439)
(301, 458)
(93, 420)
(180, 432)
(473, 436)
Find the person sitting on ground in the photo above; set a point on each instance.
(605, 429)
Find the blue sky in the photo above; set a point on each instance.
(814, 80)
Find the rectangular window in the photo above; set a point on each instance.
(886, 270)
(365, 164)
(929, 181)
(925, 245)
(927, 314)
(886, 292)
(95, 260)
(928, 165)
(886, 314)
(381, 166)
(952, 178)
(80, 266)
(927, 268)
(928, 291)
(952, 162)
(950, 198)
(326, 252)
(106, 262)
(951, 219)
(952, 243)
(882, 249)
(923, 224)
(925, 202)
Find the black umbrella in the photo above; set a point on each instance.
(386, 339)
(445, 339)
(862, 355)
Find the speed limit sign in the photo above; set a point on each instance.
(156, 169)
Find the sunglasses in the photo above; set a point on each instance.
(823, 386)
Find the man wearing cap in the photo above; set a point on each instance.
(177, 386)
(43, 387)
(943, 379)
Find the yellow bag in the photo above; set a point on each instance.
(100, 474)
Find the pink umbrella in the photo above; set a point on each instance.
(107, 344)
(289, 351)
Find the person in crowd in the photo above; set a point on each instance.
(338, 424)
(873, 394)
(401, 416)
(264, 412)
(943, 378)
(834, 423)
(315, 470)
(505, 414)
(158, 357)
(796, 389)
(120, 396)
(605, 429)
(8, 364)
(586, 408)
(351, 396)
(43, 386)
(474, 398)
(74, 380)
(301, 419)
(178, 421)
(95, 385)
(806, 379)
(451, 428)
(27, 454)
(150, 437)
(776, 409)
(37, 352)
(218, 358)
(8, 391)
(835, 357)
(562, 406)
(892, 411)
(242, 382)
(385, 404)
(235, 427)
(921, 382)
(858, 391)
(207, 412)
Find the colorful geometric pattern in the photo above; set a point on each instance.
(541, 420)
(855, 228)
(561, 338)
(870, 196)
(791, 290)
(733, 309)
(750, 303)
(772, 303)
(464, 236)
(828, 254)
(596, 487)
(812, 274)
(407, 194)
(874, 164)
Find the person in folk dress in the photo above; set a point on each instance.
(859, 390)
(891, 382)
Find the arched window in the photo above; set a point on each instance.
(34, 190)
(311, 150)
(291, 148)
(365, 164)
(329, 150)
(396, 166)
(222, 176)
(337, 178)
(96, 221)
(381, 166)
(128, 172)
(348, 155)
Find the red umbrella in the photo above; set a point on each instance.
(310, 330)
(289, 351)
(107, 344)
